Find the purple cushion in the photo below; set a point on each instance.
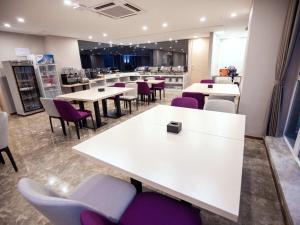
(92, 218)
(150, 208)
(84, 113)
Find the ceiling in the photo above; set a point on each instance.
(53, 17)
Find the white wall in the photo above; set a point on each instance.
(265, 30)
(226, 52)
(10, 41)
(65, 51)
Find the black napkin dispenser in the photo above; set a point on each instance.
(210, 86)
(174, 127)
(101, 89)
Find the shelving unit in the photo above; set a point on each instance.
(173, 82)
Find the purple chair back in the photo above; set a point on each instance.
(198, 96)
(67, 111)
(185, 102)
(208, 81)
(143, 88)
(119, 84)
(160, 85)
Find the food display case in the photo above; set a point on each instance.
(47, 75)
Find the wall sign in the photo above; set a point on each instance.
(22, 51)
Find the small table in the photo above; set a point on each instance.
(93, 95)
(217, 90)
(201, 165)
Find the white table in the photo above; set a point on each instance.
(93, 95)
(201, 165)
(217, 90)
(151, 81)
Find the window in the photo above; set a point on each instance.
(293, 125)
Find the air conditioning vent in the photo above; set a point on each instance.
(104, 6)
(132, 7)
(116, 9)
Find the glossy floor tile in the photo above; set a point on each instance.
(48, 158)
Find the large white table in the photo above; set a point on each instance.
(93, 95)
(217, 90)
(201, 165)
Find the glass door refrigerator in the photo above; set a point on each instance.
(46, 75)
(23, 86)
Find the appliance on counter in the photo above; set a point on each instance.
(46, 75)
(23, 86)
(72, 76)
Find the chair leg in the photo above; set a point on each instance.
(2, 159)
(160, 94)
(129, 107)
(63, 126)
(77, 129)
(51, 123)
(11, 158)
(149, 97)
(164, 93)
(93, 122)
(137, 104)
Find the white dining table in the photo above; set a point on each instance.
(201, 165)
(94, 95)
(151, 81)
(216, 90)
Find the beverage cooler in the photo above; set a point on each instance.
(46, 75)
(23, 86)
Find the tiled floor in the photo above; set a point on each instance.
(48, 158)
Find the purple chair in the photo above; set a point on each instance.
(70, 114)
(144, 90)
(198, 96)
(207, 81)
(185, 102)
(159, 87)
(149, 208)
(117, 84)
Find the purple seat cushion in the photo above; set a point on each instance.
(92, 218)
(84, 113)
(150, 208)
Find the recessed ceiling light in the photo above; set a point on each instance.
(232, 15)
(90, 37)
(95, 48)
(164, 24)
(170, 47)
(170, 39)
(155, 43)
(104, 34)
(76, 5)
(67, 2)
(145, 28)
(110, 42)
(148, 42)
(195, 36)
(82, 49)
(7, 25)
(144, 47)
(121, 43)
(130, 43)
(176, 41)
(203, 19)
(160, 48)
(20, 19)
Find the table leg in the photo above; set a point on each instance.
(81, 107)
(104, 107)
(118, 105)
(137, 184)
(97, 114)
(73, 89)
(83, 87)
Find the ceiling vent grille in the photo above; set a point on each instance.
(117, 9)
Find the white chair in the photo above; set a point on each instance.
(229, 98)
(51, 110)
(130, 96)
(220, 106)
(4, 140)
(102, 194)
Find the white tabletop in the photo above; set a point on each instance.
(151, 81)
(198, 166)
(93, 94)
(76, 85)
(218, 89)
